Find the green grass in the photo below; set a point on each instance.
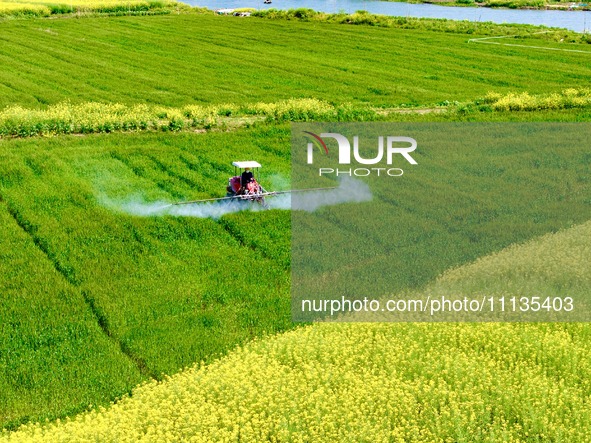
(365, 18)
(182, 59)
(454, 206)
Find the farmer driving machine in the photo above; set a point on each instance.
(244, 187)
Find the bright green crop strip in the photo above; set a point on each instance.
(54, 357)
(182, 59)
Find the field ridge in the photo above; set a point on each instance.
(91, 118)
(103, 323)
(95, 117)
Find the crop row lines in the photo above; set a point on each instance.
(69, 275)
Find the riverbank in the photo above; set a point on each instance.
(364, 18)
(509, 4)
(496, 13)
(466, 10)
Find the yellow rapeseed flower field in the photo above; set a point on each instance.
(380, 382)
(569, 98)
(93, 117)
(15, 5)
(46, 8)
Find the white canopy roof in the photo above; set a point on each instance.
(246, 164)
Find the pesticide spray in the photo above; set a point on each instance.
(349, 190)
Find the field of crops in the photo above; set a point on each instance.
(171, 291)
(177, 60)
(99, 295)
(382, 382)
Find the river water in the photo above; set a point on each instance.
(579, 21)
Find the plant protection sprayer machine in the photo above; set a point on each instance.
(243, 186)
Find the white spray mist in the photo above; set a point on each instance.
(349, 190)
